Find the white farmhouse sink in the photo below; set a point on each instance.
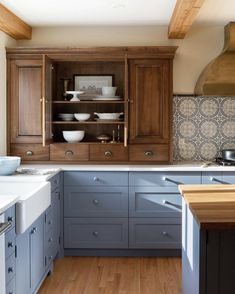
(34, 199)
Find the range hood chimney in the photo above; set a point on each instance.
(218, 77)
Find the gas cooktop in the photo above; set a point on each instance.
(221, 161)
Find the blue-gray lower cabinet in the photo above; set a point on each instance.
(30, 259)
(95, 201)
(10, 251)
(96, 233)
(154, 202)
(155, 233)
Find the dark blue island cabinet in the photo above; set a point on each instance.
(208, 248)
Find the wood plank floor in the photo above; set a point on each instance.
(114, 275)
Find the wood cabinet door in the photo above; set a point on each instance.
(25, 103)
(150, 100)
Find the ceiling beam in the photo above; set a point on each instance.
(183, 17)
(13, 25)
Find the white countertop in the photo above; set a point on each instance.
(7, 201)
(179, 166)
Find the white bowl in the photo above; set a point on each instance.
(66, 116)
(82, 116)
(9, 164)
(108, 115)
(109, 91)
(73, 136)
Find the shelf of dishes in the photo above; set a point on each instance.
(105, 117)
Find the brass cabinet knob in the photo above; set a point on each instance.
(95, 233)
(108, 153)
(29, 153)
(95, 201)
(148, 153)
(68, 153)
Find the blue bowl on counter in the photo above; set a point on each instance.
(8, 165)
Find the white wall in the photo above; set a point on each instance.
(195, 51)
(4, 42)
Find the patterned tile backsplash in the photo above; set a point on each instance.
(202, 126)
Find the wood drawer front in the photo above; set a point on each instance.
(164, 179)
(69, 152)
(95, 201)
(9, 243)
(10, 268)
(107, 152)
(154, 202)
(96, 233)
(212, 177)
(95, 178)
(30, 151)
(154, 233)
(147, 152)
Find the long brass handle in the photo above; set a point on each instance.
(43, 121)
(125, 136)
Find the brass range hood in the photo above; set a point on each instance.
(218, 77)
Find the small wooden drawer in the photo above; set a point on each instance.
(155, 233)
(96, 233)
(30, 151)
(9, 242)
(95, 178)
(95, 201)
(149, 152)
(154, 202)
(69, 152)
(108, 152)
(10, 268)
(164, 179)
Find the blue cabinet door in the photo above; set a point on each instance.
(37, 251)
(23, 263)
(55, 204)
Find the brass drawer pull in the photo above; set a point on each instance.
(29, 153)
(148, 153)
(68, 153)
(108, 153)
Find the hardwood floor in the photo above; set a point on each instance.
(114, 275)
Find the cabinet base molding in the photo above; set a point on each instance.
(123, 252)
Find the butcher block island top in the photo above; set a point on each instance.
(213, 206)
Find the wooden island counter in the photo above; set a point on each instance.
(208, 239)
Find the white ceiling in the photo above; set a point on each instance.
(92, 12)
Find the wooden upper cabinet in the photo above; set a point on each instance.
(150, 83)
(25, 103)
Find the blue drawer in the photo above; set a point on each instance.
(10, 268)
(55, 182)
(165, 179)
(9, 243)
(95, 201)
(96, 233)
(155, 233)
(154, 202)
(10, 215)
(95, 178)
(212, 178)
(229, 177)
(11, 287)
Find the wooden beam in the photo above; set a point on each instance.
(183, 17)
(13, 25)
